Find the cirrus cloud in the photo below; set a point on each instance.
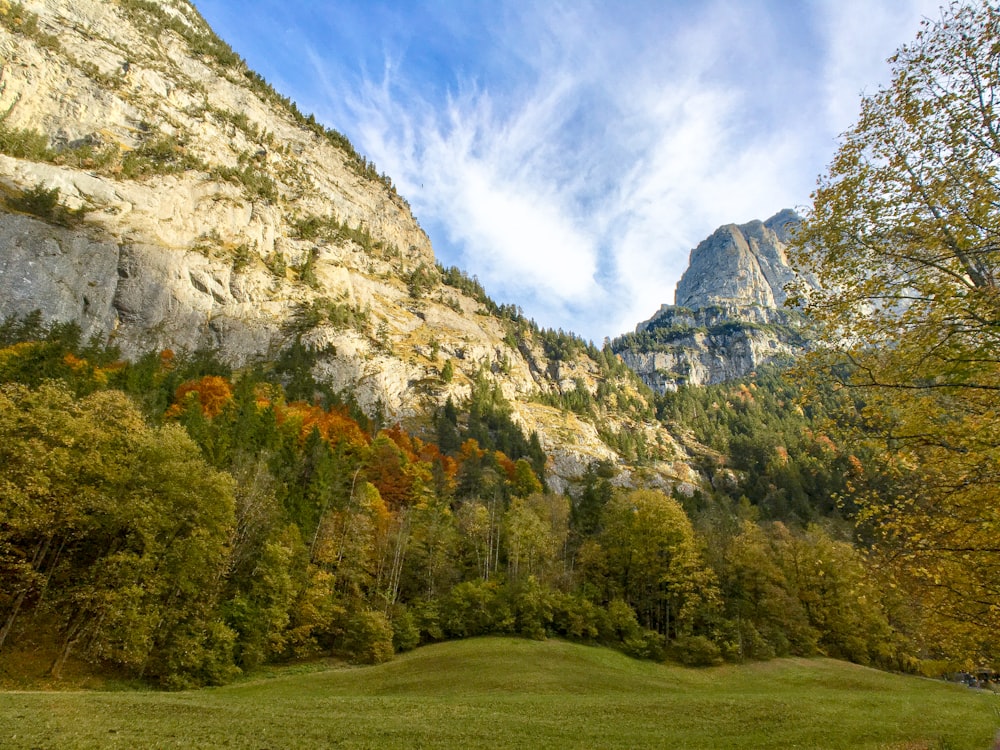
(571, 154)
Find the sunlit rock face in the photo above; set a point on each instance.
(199, 209)
(729, 316)
(741, 265)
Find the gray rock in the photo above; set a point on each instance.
(68, 275)
(741, 264)
(730, 316)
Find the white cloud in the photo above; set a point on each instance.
(861, 36)
(482, 176)
(577, 183)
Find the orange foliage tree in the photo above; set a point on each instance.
(212, 391)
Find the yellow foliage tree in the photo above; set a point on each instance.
(904, 236)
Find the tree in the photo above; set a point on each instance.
(654, 563)
(212, 392)
(530, 543)
(115, 531)
(904, 237)
(769, 619)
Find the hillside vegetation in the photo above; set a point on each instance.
(181, 522)
(252, 421)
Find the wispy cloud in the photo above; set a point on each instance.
(860, 36)
(571, 154)
(484, 177)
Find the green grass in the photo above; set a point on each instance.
(498, 692)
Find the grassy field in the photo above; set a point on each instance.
(498, 692)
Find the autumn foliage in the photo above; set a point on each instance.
(254, 529)
(211, 392)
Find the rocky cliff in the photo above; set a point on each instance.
(162, 195)
(729, 315)
(741, 265)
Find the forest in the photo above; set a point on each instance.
(179, 522)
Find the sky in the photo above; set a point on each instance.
(571, 154)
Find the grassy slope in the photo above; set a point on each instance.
(513, 693)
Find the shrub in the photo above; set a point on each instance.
(276, 264)
(368, 638)
(420, 281)
(44, 203)
(15, 18)
(164, 155)
(533, 607)
(256, 183)
(242, 258)
(578, 618)
(448, 372)
(475, 608)
(696, 651)
(25, 144)
(405, 632)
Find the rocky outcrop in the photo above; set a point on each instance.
(729, 316)
(678, 355)
(740, 265)
(193, 206)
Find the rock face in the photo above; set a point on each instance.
(729, 316)
(193, 206)
(740, 265)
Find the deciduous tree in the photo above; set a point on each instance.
(904, 236)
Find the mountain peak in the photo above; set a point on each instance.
(742, 264)
(729, 316)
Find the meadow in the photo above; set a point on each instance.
(503, 692)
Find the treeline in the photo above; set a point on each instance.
(183, 522)
(773, 444)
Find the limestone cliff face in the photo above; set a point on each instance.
(196, 207)
(215, 167)
(742, 265)
(729, 316)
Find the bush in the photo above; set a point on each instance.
(164, 155)
(420, 281)
(276, 264)
(256, 183)
(427, 619)
(448, 372)
(25, 144)
(44, 203)
(622, 630)
(620, 624)
(646, 645)
(475, 608)
(695, 651)
(368, 638)
(242, 258)
(533, 609)
(405, 633)
(578, 618)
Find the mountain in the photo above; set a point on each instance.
(162, 195)
(729, 316)
(741, 265)
(324, 442)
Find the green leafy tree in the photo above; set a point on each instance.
(530, 543)
(767, 617)
(653, 562)
(115, 531)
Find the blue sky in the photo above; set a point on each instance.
(571, 154)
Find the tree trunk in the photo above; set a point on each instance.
(72, 636)
(36, 565)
